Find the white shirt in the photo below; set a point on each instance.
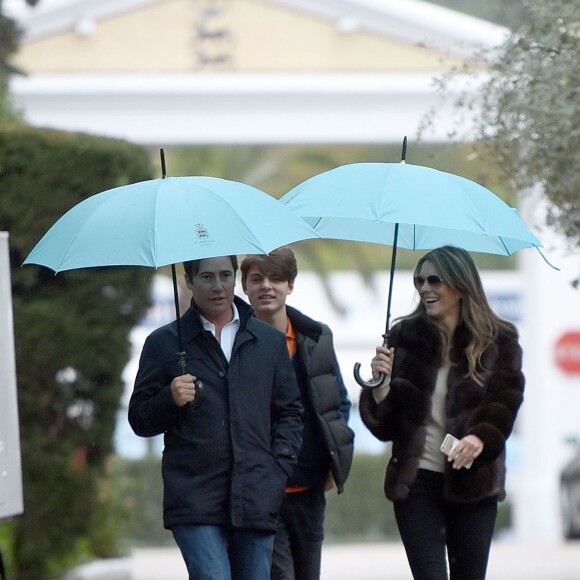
(228, 334)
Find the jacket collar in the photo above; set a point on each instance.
(303, 324)
(192, 325)
(422, 335)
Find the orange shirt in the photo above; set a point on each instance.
(290, 339)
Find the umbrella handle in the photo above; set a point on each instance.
(374, 383)
(198, 395)
(181, 353)
(198, 384)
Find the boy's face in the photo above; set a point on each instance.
(266, 292)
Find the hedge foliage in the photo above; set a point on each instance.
(360, 514)
(72, 344)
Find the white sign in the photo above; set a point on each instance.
(11, 502)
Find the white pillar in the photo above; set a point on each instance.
(551, 307)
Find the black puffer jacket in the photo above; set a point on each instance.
(228, 460)
(328, 440)
(488, 411)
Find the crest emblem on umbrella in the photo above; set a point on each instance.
(201, 232)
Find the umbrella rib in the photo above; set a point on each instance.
(504, 245)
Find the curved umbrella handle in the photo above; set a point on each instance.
(374, 383)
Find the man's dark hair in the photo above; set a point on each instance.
(191, 267)
(281, 262)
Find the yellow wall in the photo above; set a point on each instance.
(262, 37)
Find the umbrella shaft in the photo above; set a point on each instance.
(177, 315)
(392, 277)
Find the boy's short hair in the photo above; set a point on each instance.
(280, 262)
(191, 267)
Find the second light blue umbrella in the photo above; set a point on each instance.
(364, 201)
(408, 206)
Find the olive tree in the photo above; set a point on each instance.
(531, 109)
(527, 111)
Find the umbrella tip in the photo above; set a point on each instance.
(546, 259)
(404, 152)
(163, 172)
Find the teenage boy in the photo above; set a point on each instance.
(326, 455)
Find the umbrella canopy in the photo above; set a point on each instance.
(168, 220)
(364, 201)
(408, 206)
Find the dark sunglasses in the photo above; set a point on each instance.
(434, 281)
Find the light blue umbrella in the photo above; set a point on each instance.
(365, 201)
(164, 221)
(408, 206)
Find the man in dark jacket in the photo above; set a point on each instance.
(326, 455)
(228, 453)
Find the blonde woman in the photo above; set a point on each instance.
(452, 366)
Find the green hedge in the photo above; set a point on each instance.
(72, 344)
(361, 513)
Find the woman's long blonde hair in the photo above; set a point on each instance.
(457, 269)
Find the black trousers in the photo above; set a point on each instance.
(431, 529)
(298, 542)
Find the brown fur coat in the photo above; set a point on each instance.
(488, 411)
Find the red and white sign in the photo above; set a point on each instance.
(567, 352)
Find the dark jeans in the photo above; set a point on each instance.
(428, 525)
(298, 541)
(224, 553)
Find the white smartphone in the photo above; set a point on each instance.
(449, 444)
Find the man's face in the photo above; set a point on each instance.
(213, 288)
(266, 292)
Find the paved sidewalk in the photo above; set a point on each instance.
(381, 561)
(507, 562)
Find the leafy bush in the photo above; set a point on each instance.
(362, 512)
(72, 343)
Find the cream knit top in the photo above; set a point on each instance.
(433, 458)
